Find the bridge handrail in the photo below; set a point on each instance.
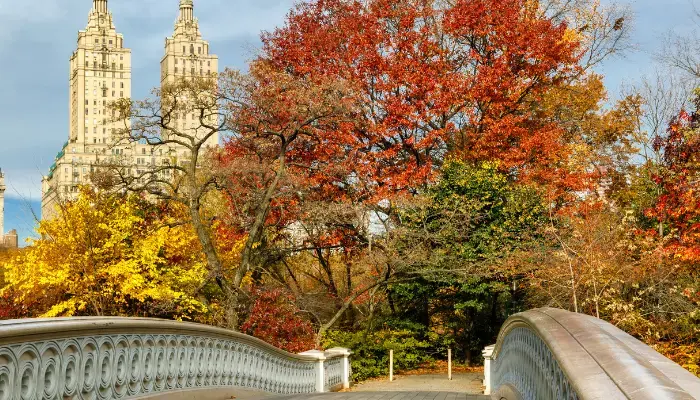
(112, 357)
(551, 353)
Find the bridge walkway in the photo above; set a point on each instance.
(463, 386)
(469, 383)
(393, 395)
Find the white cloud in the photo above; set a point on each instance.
(23, 183)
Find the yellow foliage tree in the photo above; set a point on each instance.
(111, 255)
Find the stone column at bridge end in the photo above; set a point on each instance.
(488, 356)
(346, 363)
(320, 356)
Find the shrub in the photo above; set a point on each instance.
(370, 357)
(275, 319)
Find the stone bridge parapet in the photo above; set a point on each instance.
(552, 354)
(126, 358)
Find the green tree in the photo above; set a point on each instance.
(463, 235)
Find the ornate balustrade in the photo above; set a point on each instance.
(124, 358)
(554, 354)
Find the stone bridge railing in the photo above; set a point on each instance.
(551, 354)
(125, 358)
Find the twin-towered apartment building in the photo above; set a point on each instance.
(100, 73)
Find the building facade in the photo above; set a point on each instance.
(187, 55)
(2, 204)
(100, 73)
(9, 240)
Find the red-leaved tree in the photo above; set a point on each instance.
(432, 78)
(275, 319)
(678, 206)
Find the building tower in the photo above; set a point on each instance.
(9, 241)
(100, 73)
(2, 206)
(187, 56)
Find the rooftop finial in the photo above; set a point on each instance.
(99, 6)
(186, 10)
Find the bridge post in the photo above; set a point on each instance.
(320, 371)
(346, 364)
(488, 356)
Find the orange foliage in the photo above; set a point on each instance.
(432, 78)
(275, 319)
(678, 207)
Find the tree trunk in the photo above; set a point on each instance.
(214, 262)
(205, 240)
(257, 228)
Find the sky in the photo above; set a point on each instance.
(37, 38)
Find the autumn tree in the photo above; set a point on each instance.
(276, 319)
(110, 255)
(178, 131)
(678, 205)
(436, 77)
(283, 142)
(680, 53)
(603, 141)
(602, 29)
(417, 81)
(9, 309)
